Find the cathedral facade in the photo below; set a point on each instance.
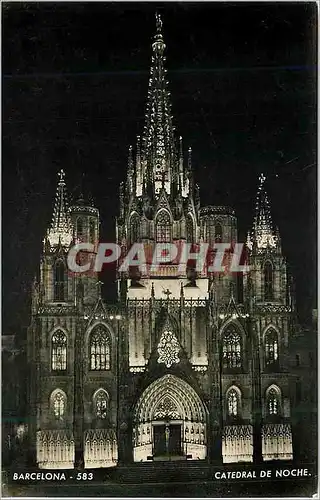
(188, 364)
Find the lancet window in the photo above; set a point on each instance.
(233, 403)
(58, 404)
(271, 347)
(99, 350)
(101, 404)
(59, 351)
(218, 233)
(163, 227)
(268, 281)
(273, 401)
(92, 231)
(59, 281)
(231, 349)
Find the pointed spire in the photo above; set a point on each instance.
(189, 159)
(121, 199)
(158, 136)
(60, 232)
(263, 232)
(131, 176)
(139, 180)
(249, 243)
(181, 179)
(181, 291)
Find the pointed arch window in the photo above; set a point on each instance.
(58, 404)
(210, 230)
(231, 349)
(190, 229)
(233, 403)
(268, 281)
(218, 233)
(134, 229)
(163, 227)
(99, 350)
(59, 351)
(273, 401)
(80, 229)
(59, 281)
(271, 347)
(100, 402)
(92, 230)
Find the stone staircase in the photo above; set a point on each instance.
(162, 472)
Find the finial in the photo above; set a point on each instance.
(262, 179)
(167, 293)
(249, 240)
(158, 44)
(189, 157)
(159, 23)
(232, 287)
(61, 176)
(99, 285)
(130, 157)
(180, 145)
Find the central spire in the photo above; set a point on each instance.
(158, 163)
(158, 149)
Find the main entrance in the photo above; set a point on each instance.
(167, 440)
(169, 422)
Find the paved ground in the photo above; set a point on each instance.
(208, 489)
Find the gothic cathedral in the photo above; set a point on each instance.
(184, 366)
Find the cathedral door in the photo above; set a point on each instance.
(167, 440)
(175, 439)
(159, 438)
(169, 421)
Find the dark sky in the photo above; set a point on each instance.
(75, 75)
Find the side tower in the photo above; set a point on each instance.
(71, 350)
(50, 343)
(270, 304)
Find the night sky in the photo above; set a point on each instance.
(75, 75)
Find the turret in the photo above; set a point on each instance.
(267, 264)
(85, 222)
(54, 277)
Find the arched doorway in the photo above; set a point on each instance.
(169, 422)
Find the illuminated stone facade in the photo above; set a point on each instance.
(186, 364)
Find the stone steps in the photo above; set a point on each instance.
(162, 472)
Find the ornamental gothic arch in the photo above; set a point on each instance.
(181, 366)
(169, 418)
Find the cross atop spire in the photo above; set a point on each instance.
(61, 228)
(263, 231)
(159, 24)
